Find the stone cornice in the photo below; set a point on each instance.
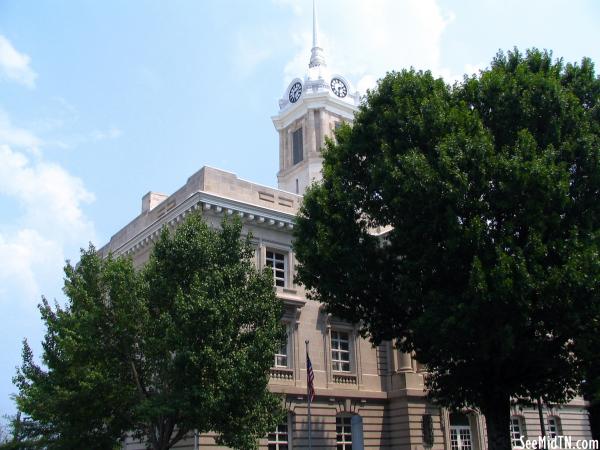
(313, 101)
(209, 204)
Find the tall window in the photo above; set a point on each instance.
(297, 146)
(276, 261)
(553, 427)
(516, 431)
(343, 430)
(340, 351)
(460, 432)
(279, 439)
(427, 430)
(281, 358)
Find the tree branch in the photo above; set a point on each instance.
(136, 379)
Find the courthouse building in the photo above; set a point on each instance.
(380, 387)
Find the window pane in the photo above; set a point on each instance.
(343, 432)
(460, 437)
(515, 431)
(281, 358)
(453, 439)
(553, 428)
(276, 261)
(465, 437)
(297, 146)
(281, 361)
(340, 351)
(278, 440)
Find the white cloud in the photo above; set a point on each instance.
(46, 222)
(15, 66)
(17, 137)
(49, 196)
(474, 69)
(26, 260)
(365, 39)
(365, 83)
(451, 77)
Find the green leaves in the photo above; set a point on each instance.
(487, 196)
(80, 400)
(184, 344)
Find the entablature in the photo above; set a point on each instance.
(206, 203)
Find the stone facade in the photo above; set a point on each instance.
(380, 385)
(383, 386)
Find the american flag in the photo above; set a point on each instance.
(310, 378)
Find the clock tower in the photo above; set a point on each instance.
(309, 111)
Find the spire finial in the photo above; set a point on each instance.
(315, 25)
(317, 58)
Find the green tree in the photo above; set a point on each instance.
(184, 344)
(23, 434)
(464, 222)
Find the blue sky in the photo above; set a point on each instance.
(101, 102)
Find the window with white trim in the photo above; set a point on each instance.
(279, 439)
(340, 351)
(516, 430)
(277, 261)
(553, 426)
(343, 431)
(281, 357)
(460, 432)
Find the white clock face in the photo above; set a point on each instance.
(295, 92)
(339, 88)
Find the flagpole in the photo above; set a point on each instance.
(308, 396)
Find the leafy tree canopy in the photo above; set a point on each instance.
(185, 343)
(464, 222)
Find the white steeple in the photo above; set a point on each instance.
(317, 57)
(311, 108)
